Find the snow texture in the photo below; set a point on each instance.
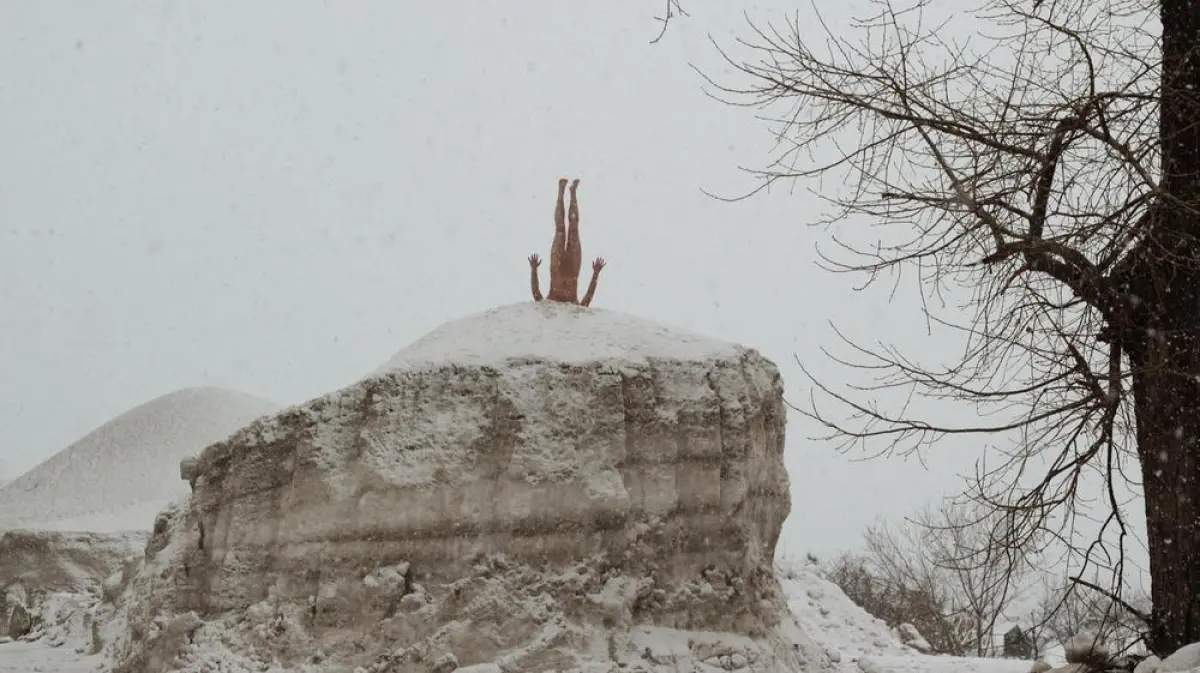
(48, 579)
(828, 616)
(859, 642)
(63, 640)
(1185, 659)
(119, 476)
(40, 657)
(910, 636)
(44, 561)
(555, 332)
(818, 609)
(540, 487)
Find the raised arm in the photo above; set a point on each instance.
(534, 263)
(591, 291)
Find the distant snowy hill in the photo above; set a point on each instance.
(120, 475)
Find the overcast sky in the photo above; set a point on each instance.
(276, 196)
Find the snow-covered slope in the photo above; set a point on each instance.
(550, 331)
(859, 642)
(120, 475)
(845, 630)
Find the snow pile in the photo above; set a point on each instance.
(1185, 660)
(553, 332)
(45, 578)
(65, 637)
(540, 487)
(846, 631)
(568, 619)
(123, 473)
(859, 642)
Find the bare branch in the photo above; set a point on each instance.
(672, 9)
(1039, 185)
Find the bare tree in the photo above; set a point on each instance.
(1049, 169)
(1068, 608)
(943, 572)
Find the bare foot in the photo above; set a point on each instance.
(562, 185)
(574, 186)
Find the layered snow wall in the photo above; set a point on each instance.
(540, 487)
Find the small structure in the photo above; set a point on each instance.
(1017, 644)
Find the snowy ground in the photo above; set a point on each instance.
(19, 657)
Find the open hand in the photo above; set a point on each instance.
(535, 261)
(598, 264)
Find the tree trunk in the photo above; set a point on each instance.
(1167, 404)
(1163, 344)
(1162, 341)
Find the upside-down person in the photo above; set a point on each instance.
(566, 256)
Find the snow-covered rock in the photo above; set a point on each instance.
(910, 636)
(539, 487)
(1086, 648)
(120, 475)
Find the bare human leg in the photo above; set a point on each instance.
(574, 250)
(558, 247)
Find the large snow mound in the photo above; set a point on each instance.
(536, 488)
(120, 475)
(558, 332)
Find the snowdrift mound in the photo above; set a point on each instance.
(1185, 659)
(119, 476)
(829, 617)
(862, 643)
(559, 333)
(539, 487)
